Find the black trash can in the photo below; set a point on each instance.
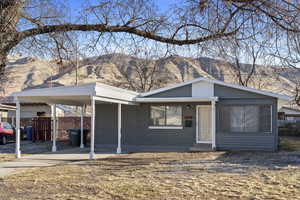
(74, 136)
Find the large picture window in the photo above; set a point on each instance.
(166, 116)
(246, 118)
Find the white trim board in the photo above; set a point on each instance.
(77, 94)
(214, 81)
(177, 99)
(165, 127)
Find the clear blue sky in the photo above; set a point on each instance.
(163, 5)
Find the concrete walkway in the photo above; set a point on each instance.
(47, 160)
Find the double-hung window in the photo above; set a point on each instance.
(165, 116)
(246, 118)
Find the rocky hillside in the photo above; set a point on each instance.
(134, 73)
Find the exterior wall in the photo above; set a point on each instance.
(184, 91)
(245, 141)
(202, 89)
(29, 111)
(135, 131)
(227, 92)
(135, 122)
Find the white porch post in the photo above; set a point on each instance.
(92, 150)
(54, 130)
(119, 150)
(81, 126)
(213, 124)
(18, 151)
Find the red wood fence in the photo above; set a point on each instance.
(42, 126)
(41, 129)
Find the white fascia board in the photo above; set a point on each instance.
(80, 90)
(214, 81)
(265, 93)
(177, 99)
(109, 100)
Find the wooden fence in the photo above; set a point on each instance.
(42, 126)
(65, 123)
(41, 129)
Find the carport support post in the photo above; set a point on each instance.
(81, 126)
(119, 127)
(92, 150)
(213, 124)
(18, 152)
(53, 115)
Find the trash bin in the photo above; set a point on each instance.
(29, 133)
(74, 136)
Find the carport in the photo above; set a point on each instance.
(82, 95)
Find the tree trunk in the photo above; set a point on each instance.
(3, 60)
(9, 16)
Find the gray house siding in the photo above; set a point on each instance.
(137, 136)
(184, 91)
(227, 92)
(135, 131)
(106, 124)
(245, 141)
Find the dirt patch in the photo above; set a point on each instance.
(214, 175)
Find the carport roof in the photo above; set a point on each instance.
(76, 95)
(7, 108)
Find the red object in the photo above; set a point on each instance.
(6, 128)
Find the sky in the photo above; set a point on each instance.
(163, 5)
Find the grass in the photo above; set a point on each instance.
(214, 175)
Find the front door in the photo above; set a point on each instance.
(204, 134)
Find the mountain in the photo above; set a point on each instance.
(136, 74)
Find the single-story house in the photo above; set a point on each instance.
(29, 110)
(202, 113)
(289, 114)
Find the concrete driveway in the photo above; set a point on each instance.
(48, 159)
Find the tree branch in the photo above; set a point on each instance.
(118, 29)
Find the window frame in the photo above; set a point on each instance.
(151, 126)
(244, 132)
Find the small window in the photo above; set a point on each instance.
(164, 116)
(246, 118)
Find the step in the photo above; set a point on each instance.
(201, 148)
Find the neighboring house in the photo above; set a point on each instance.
(289, 114)
(30, 110)
(202, 113)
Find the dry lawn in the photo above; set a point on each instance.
(290, 144)
(4, 157)
(215, 175)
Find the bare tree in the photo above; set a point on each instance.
(289, 54)
(191, 21)
(243, 57)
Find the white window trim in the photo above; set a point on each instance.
(165, 127)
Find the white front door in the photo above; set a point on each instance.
(204, 133)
